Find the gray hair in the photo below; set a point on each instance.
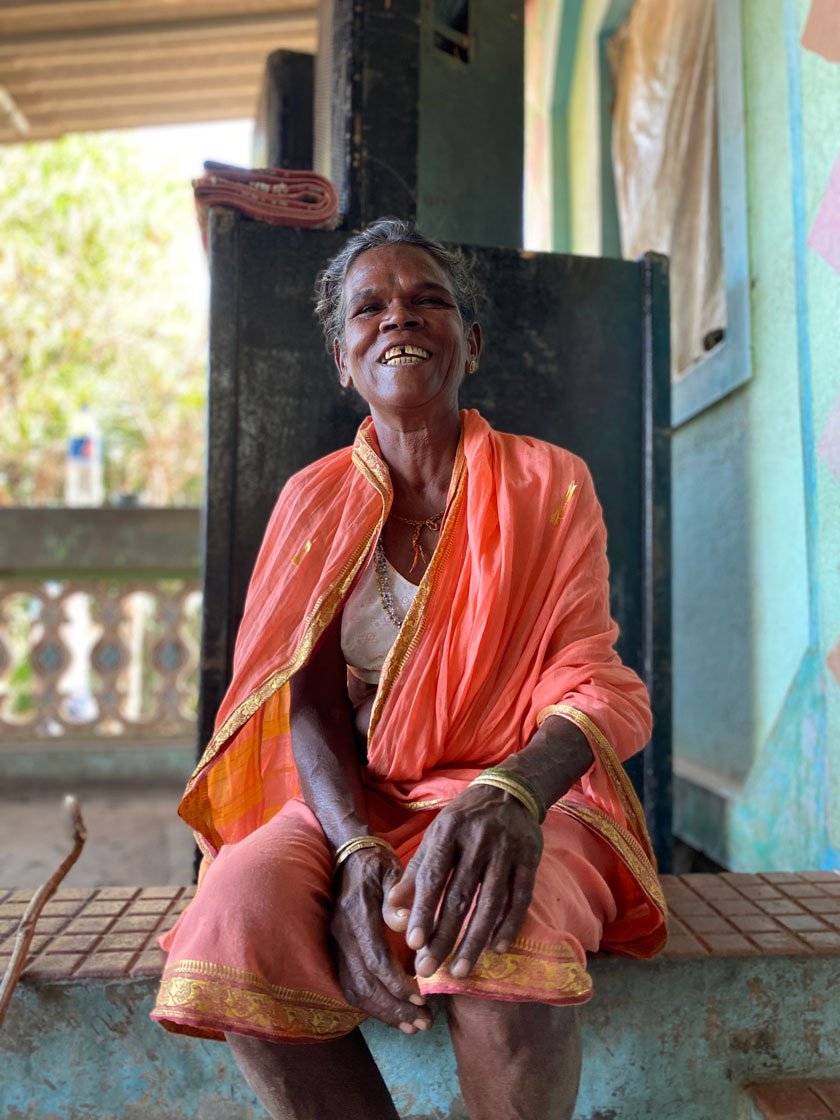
(329, 287)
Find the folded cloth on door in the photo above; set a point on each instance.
(282, 197)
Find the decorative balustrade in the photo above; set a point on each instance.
(99, 624)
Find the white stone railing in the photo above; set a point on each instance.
(99, 624)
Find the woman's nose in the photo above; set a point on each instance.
(398, 317)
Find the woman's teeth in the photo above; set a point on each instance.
(405, 355)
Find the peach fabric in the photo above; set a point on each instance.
(251, 955)
(510, 624)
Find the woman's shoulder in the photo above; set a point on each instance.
(539, 454)
(316, 474)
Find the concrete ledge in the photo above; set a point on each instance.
(676, 1038)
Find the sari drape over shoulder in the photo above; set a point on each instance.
(510, 625)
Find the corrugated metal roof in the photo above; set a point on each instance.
(84, 65)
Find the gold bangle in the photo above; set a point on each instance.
(357, 844)
(515, 790)
(523, 783)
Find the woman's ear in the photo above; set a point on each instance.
(473, 347)
(341, 365)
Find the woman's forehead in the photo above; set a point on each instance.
(389, 264)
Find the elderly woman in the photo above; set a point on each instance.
(415, 786)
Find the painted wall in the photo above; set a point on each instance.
(646, 1050)
(756, 515)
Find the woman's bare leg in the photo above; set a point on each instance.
(516, 1061)
(318, 1081)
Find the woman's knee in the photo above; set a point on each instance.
(510, 1024)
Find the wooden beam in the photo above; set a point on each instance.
(204, 63)
(174, 113)
(104, 38)
(38, 16)
(119, 101)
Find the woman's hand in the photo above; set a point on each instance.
(370, 977)
(484, 841)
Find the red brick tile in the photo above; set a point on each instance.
(129, 923)
(149, 963)
(780, 906)
(73, 894)
(756, 923)
(831, 919)
(97, 924)
(732, 906)
(7, 926)
(735, 878)
(729, 945)
(51, 925)
(68, 906)
(161, 892)
(821, 876)
(116, 894)
(825, 942)
(38, 942)
(782, 944)
(823, 905)
(798, 923)
(150, 906)
(698, 881)
(105, 965)
(802, 890)
(828, 1091)
(831, 888)
(760, 891)
(692, 906)
(704, 925)
(73, 943)
(718, 891)
(682, 945)
(780, 876)
(787, 1100)
(57, 965)
(96, 907)
(21, 896)
(122, 941)
(12, 909)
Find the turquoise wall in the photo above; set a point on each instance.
(756, 515)
(672, 1039)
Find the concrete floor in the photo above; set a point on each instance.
(134, 835)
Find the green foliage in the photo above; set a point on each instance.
(98, 305)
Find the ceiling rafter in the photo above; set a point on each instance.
(84, 65)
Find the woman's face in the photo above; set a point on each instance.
(404, 348)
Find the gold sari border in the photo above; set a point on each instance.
(609, 759)
(529, 972)
(197, 996)
(366, 460)
(623, 843)
(412, 627)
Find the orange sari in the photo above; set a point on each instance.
(510, 625)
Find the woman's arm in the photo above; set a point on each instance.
(324, 746)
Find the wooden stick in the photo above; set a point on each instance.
(26, 929)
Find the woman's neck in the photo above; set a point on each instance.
(420, 460)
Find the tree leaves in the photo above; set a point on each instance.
(99, 305)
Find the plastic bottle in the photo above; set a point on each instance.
(83, 478)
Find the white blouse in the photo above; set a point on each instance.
(367, 633)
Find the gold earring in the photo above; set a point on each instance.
(472, 365)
